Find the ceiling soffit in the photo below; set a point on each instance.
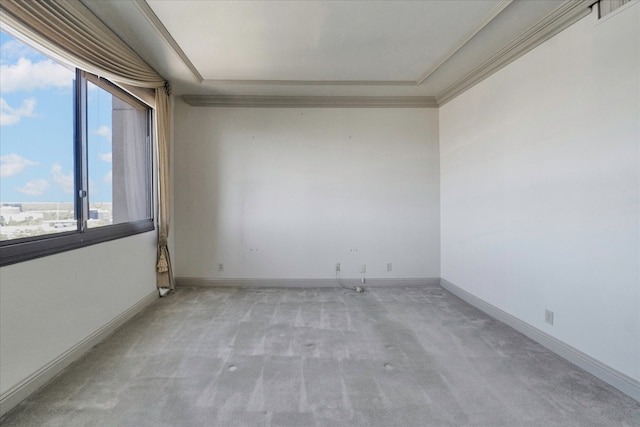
(561, 15)
(415, 79)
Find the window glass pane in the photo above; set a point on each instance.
(117, 158)
(36, 143)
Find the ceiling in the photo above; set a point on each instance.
(331, 48)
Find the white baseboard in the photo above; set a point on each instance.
(29, 385)
(622, 382)
(304, 283)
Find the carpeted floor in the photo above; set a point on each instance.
(413, 356)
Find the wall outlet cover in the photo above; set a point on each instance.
(548, 316)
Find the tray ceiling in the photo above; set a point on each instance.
(325, 48)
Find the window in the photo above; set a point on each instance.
(75, 157)
(36, 143)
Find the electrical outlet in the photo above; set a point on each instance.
(220, 267)
(548, 316)
(337, 267)
(389, 266)
(363, 268)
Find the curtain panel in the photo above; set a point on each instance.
(71, 33)
(164, 273)
(608, 6)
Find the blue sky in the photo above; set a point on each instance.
(36, 129)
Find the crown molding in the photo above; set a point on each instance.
(162, 31)
(311, 101)
(497, 10)
(560, 18)
(312, 82)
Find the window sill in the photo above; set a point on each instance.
(20, 251)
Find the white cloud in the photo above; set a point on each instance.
(16, 49)
(10, 116)
(65, 181)
(105, 131)
(36, 187)
(27, 75)
(13, 164)
(105, 157)
(108, 177)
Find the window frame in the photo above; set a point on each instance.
(28, 248)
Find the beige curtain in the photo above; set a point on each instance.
(163, 115)
(608, 6)
(71, 33)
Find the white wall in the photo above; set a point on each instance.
(287, 193)
(49, 305)
(540, 188)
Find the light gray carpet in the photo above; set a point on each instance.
(321, 357)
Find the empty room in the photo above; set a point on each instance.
(320, 213)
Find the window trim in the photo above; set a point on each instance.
(14, 251)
